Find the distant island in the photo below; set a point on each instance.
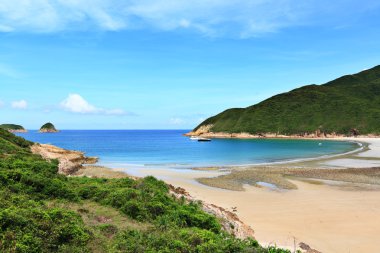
(347, 106)
(13, 128)
(48, 128)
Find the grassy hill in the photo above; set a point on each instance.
(42, 211)
(12, 127)
(347, 103)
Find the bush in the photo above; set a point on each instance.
(29, 224)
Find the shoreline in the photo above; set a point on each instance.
(324, 214)
(363, 146)
(204, 131)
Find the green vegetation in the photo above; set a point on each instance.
(48, 127)
(12, 127)
(340, 106)
(42, 211)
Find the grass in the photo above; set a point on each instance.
(12, 127)
(103, 222)
(42, 211)
(94, 171)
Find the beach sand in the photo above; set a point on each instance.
(329, 216)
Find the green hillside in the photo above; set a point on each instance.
(12, 127)
(347, 103)
(42, 211)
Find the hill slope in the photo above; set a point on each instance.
(13, 127)
(43, 211)
(349, 104)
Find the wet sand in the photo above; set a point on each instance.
(329, 218)
(328, 215)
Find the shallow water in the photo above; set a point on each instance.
(169, 148)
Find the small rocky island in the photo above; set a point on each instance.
(48, 128)
(13, 128)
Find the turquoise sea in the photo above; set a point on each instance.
(169, 148)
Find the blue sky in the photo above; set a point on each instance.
(106, 64)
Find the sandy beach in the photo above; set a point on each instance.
(329, 215)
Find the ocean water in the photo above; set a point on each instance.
(169, 148)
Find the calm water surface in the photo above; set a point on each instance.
(157, 148)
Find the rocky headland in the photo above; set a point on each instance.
(13, 128)
(69, 161)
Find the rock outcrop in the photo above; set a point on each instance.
(206, 132)
(69, 161)
(229, 220)
(200, 131)
(48, 128)
(18, 130)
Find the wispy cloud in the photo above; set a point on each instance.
(20, 104)
(77, 104)
(214, 18)
(6, 70)
(187, 119)
(1, 103)
(177, 121)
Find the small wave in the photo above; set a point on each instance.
(361, 147)
(167, 164)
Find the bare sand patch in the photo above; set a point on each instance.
(327, 217)
(329, 207)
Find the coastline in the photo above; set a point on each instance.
(204, 131)
(223, 135)
(363, 146)
(325, 214)
(18, 131)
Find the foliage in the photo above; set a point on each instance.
(9, 141)
(11, 127)
(349, 102)
(48, 126)
(28, 222)
(28, 226)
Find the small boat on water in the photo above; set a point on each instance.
(204, 139)
(196, 138)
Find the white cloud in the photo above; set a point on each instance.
(21, 104)
(114, 112)
(77, 104)
(1, 103)
(187, 119)
(177, 121)
(242, 18)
